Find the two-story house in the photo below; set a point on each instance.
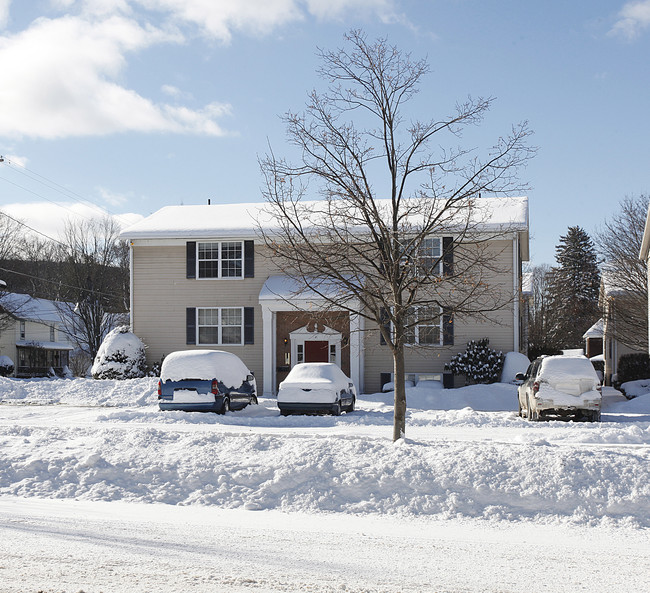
(33, 335)
(201, 277)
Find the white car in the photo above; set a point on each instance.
(205, 381)
(560, 386)
(316, 387)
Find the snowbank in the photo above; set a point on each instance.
(79, 392)
(460, 459)
(636, 388)
(515, 362)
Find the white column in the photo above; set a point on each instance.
(267, 349)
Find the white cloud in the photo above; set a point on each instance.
(21, 161)
(220, 18)
(50, 218)
(634, 17)
(60, 79)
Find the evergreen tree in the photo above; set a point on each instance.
(574, 287)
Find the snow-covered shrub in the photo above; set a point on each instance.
(6, 366)
(121, 356)
(633, 366)
(479, 363)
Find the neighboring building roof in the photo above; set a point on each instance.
(27, 308)
(527, 283)
(241, 220)
(595, 331)
(45, 345)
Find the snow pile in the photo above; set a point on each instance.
(457, 462)
(636, 388)
(6, 366)
(120, 356)
(515, 362)
(204, 365)
(79, 392)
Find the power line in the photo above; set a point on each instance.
(39, 278)
(32, 229)
(53, 185)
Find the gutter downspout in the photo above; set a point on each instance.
(131, 287)
(515, 281)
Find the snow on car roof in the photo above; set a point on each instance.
(558, 368)
(204, 365)
(316, 372)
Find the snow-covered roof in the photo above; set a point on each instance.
(283, 288)
(28, 308)
(241, 220)
(527, 283)
(595, 331)
(44, 345)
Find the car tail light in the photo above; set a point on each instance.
(215, 387)
(159, 388)
(535, 386)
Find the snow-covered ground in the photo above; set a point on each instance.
(100, 491)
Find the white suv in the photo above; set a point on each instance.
(560, 386)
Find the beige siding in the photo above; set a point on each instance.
(500, 331)
(8, 338)
(161, 294)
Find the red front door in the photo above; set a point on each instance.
(317, 351)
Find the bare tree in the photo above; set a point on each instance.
(90, 292)
(540, 313)
(625, 276)
(366, 247)
(10, 241)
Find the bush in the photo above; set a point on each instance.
(479, 363)
(632, 367)
(121, 356)
(6, 366)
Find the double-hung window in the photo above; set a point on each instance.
(424, 326)
(429, 257)
(223, 259)
(221, 325)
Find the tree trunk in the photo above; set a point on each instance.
(399, 414)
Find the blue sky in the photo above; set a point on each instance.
(132, 105)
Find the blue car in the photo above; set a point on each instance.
(205, 381)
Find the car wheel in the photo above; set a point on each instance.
(336, 410)
(520, 413)
(226, 406)
(352, 405)
(593, 416)
(284, 412)
(529, 410)
(254, 400)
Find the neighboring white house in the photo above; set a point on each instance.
(34, 335)
(202, 278)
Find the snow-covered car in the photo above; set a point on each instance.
(316, 387)
(205, 381)
(560, 386)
